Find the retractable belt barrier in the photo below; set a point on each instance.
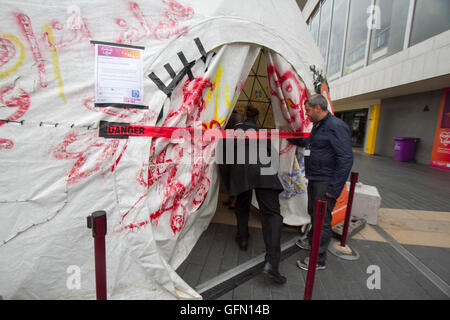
(353, 180)
(321, 209)
(121, 130)
(97, 222)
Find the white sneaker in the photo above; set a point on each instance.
(304, 263)
(303, 244)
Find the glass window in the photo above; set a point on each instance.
(325, 17)
(315, 25)
(337, 39)
(388, 34)
(431, 17)
(356, 36)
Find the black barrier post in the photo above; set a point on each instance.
(321, 208)
(348, 213)
(97, 222)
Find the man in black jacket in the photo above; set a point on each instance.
(328, 162)
(247, 175)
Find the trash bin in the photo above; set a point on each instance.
(404, 148)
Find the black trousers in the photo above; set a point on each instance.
(317, 189)
(271, 220)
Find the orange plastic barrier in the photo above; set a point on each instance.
(338, 213)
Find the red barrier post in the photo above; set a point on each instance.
(97, 222)
(321, 208)
(348, 213)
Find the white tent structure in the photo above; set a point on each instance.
(55, 169)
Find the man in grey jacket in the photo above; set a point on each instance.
(328, 162)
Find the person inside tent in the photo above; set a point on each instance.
(224, 168)
(248, 176)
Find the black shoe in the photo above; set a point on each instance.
(273, 274)
(242, 243)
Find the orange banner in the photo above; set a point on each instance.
(440, 157)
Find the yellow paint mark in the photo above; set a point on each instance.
(215, 87)
(51, 40)
(217, 82)
(21, 57)
(374, 116)
(208, 97)
(227, 97)
(289, 103)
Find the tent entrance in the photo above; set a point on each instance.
(255, 92)
(278, 104)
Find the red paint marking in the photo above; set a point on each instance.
(119, 157)
(120, 113)
(201, 191)
(6, 144)
(15, 98)
(61, 153)
(179, 200)
(175, 13)
(214, 122)
(27, 29)
(157, 167)
(129, 34)
(7, 51)
(77, 30)
(133, 226)
(177, 10)
(172, 195)
(294, 96)
(177, 221)
(139, 15)
(161, 30)
(85, 146)
(134, 206)
(112, 111)
(193, 97)
(288, 148)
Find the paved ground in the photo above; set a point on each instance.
(410, 246)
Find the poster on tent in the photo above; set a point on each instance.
(118, 75)
(440, 157)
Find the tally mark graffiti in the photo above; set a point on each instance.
(187, 66)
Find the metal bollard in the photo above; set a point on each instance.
(321, 208)
(97, 222)
(348, 213)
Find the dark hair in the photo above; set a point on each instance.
(235, 118)
(317, 100)
(251, 112)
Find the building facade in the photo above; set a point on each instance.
(388, 65)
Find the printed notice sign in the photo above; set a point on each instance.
(118, 75)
